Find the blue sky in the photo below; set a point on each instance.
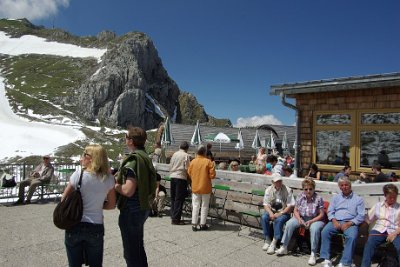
(229, 52)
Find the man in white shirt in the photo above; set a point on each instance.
(179, 165)
(278, 205)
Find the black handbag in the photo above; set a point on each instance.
(8, 181)
(68, 212)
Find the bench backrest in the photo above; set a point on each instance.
(242, 184)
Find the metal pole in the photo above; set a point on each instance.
(23, 172)
(296, 150)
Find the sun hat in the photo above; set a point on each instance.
(276, 177)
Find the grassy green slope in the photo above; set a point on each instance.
(37, 80)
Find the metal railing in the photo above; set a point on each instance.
(62, 172)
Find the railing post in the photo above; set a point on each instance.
(23, 171)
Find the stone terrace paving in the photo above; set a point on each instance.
(29, 238)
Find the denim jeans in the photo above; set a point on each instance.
(131, 225)
(315, 233)
(350, 235)
(85, 239)
(277, 225)
(373, 242)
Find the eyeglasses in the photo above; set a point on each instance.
(308, 189)
(86, 155)
(235, 165)
(45, 158)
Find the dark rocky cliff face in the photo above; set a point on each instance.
(128, 86)
(131, 86)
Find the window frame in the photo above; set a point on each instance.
(355, 127)
(334, 127)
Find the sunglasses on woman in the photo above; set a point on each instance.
(86, 155)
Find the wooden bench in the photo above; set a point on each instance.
(241, 185)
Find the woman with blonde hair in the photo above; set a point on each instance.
(97, 189)
(308, 213)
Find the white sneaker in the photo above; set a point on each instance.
(342, 265)
(266, 244)
(282, 251)
(327, 263)
(271, 249)
(312, 260)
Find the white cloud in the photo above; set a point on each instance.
(31, 9)
(257, 120)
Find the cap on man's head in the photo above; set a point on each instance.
(276, 177)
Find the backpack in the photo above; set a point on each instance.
(388, 261)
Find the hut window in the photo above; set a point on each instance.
(358, 137)
(333, 147)
(382, 147)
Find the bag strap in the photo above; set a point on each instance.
(78, 187)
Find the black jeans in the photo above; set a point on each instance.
(178, 195)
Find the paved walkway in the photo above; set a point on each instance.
(29, 238)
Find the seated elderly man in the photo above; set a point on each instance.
(346, 211)
(278, 205)
(40, 175)
(386, 215)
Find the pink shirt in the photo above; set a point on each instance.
(386, 217)
(261, 159)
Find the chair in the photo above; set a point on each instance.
(166, 182)
(255, 208)
(218, 200)
(7, 193)
(244, 168)
(187, 205)
(53, 187)
(64, 175)
(252, 168)
(8, 184)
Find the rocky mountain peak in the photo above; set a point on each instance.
(131, 86)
